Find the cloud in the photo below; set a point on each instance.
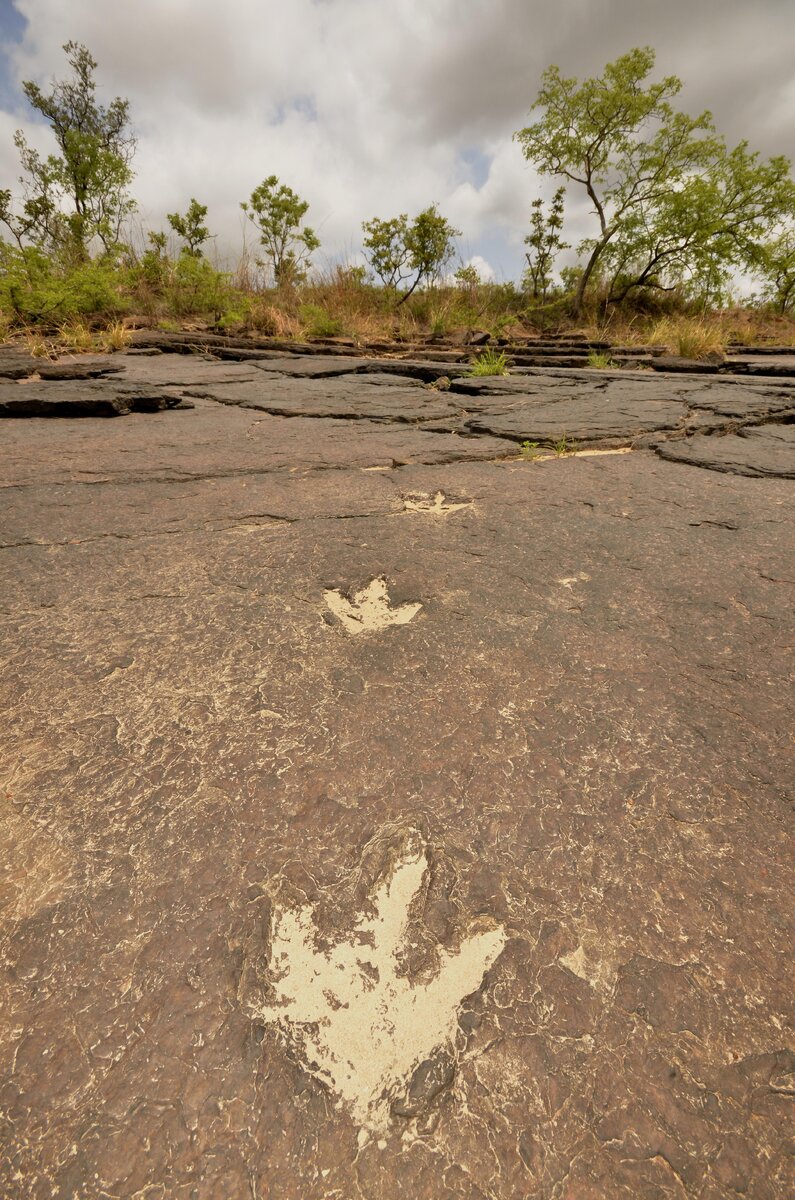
(370, 109)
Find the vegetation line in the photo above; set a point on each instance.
(678, 214)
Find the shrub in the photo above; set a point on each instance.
(317, 321)
(35, 289)
(195, 287)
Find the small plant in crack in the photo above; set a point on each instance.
(563, 446)
(529, 451)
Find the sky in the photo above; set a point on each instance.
(370, 108)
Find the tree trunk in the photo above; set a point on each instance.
(586, 275)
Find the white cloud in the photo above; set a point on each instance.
(484, 269)
(374, 109)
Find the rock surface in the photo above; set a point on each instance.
(765, 450)
(92, 399)
(577, 727)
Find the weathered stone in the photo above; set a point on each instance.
(582, 731)
(18, 364)
(782, 364)
(765, 450)
(586, 419)
(671, 363)
(345, 397)
(56, 399)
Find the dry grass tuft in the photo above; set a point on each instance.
(76, 337)
(115, 337)
(689, 337)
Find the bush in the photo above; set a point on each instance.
(317, 321)
(195, 288)
(34, 289)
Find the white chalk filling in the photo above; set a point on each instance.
(357, 1024)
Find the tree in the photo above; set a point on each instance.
(386, 250)
(545, 243)
(399, 252)
(698, 233)
(671, 200)
(71, 198)
(776, 266)
(277, 212)
(190, 228)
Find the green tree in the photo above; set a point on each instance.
(191, 228)
(671, 200)
(775, 264)
(386, 251)
(277, 212)
(698, 233)
(400, 252)
(544, 242)
(78, 195)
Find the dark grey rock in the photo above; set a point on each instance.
(57, 399)
(763, 451)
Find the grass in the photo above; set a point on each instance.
(563, 446)
(490, 362)
(115, 337)
(83, 311)
(530, 451)
(318, 322)
(689, 337)
(38, 346)
(76, 337)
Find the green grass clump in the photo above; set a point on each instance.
(490, 363)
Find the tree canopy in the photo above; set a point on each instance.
(402, 252)
(673, 203)
(79, 194)
(191, 228)
(277, 212)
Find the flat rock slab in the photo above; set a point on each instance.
(184, 371)
(781, 364)
(585, 419)
(18, 364)
(346, 397)
(311, 718)
(594, 411)
(768, 450)
(311, 367)
(58, 399)
(215, 441)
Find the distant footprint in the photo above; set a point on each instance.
(437, 505)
